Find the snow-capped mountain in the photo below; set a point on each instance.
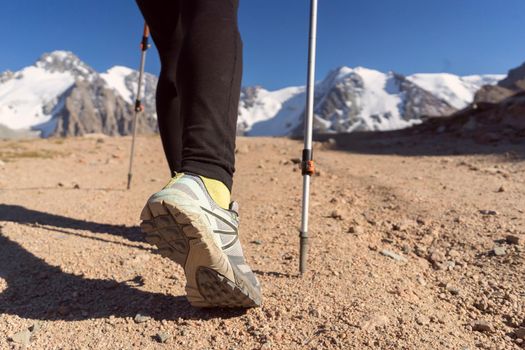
(61, 95)
(351, 99)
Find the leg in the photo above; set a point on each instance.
(209, 80)
(187, 220)
(162, 17)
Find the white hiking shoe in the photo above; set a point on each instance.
(188, 227)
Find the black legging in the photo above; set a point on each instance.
(200, 51)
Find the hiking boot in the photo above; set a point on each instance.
(188, 227)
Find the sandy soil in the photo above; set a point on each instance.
(409, 250)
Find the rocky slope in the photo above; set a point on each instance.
(92, 107)
(484, 122)
(513, 83)
(497, 113)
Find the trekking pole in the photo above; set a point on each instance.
(307, 164)
(144, 45)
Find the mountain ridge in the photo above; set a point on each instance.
(60, 95)
(360, 99)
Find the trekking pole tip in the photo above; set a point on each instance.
(129, 181)
(303, 253)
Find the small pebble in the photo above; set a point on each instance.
(314, 312)
(336, 215)
(452, 289)
(421, 281)
(374, 321)
(499, 251)
(393, 255)
(36, 327)
(140, 318)
(357, 230)
(267, 344)
(449, 264)
(162, 337)
(437, 257)
(422, 320)
(23, 337)
(287, 256)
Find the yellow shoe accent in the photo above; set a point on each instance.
(218, 192)
(216, 189)
(174, 179)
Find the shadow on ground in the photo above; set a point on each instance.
(22, 215)
(37, 290)
(406, 143)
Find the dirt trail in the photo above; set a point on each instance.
(402, 252)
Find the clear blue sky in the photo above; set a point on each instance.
(407, 36)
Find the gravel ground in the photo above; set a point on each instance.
(410, 251)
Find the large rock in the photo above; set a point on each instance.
(492, 94)
(91, 107)
(515, 79)
(512, 84)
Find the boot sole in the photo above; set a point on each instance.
(178, 229)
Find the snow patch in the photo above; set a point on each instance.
(24, 97)
(457, 91)
(277, 113)
(282, 106)
(115, 77)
